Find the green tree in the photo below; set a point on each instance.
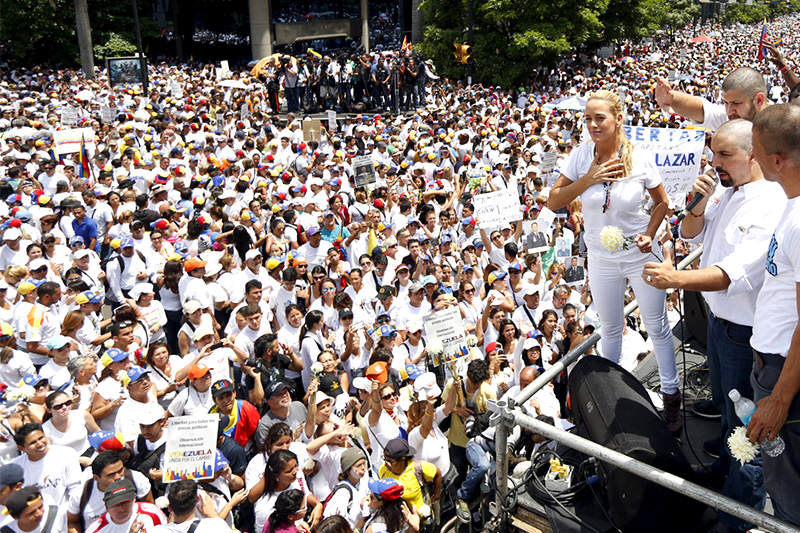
(746, 14)
(115, 46)
(510, 36)
(40, 32)
(43, 32)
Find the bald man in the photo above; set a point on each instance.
(735, 229)
(776, 332)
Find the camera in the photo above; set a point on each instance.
(257, 364)
(217, 345)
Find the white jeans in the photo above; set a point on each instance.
(607, 280)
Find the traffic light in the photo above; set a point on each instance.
(462, 53)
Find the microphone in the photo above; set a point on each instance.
(696, 199)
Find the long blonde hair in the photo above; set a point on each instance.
(615, 105)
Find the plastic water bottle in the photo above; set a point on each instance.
(745, 408)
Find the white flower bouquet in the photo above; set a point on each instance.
(740, 446)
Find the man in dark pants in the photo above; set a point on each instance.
(380, 82)
(776, 331)
(735, 230)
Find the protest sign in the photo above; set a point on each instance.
(69, 141)
(244, 111)
(446, 327)
(191, 447)
(548, 162)
(224, 69)
(363, 171)
(575, 272)
(331, 120)
(563, 251)
(495, 209)
(106, 114)
(312, 130)
(676, 155)
(545, 220)
(69, 116)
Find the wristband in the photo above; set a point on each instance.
(784, 68)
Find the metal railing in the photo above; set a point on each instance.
(506, 415)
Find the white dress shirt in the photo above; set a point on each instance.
(735, 236)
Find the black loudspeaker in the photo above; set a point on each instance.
(611, 407)
(695, 319)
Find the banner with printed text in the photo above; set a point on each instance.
(676, 155)
(498, 208)
(191, 448)
(69, 141)
(446, 327)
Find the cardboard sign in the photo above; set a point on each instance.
(495, 209)
(364, 171)
(675, 153)
(312, 130)
(69, 141)
(447, 327)
(545, 220)
(563, 249)
(106, 114)
(331, 120)
(69, 116)
(191, 448)
(575, 272)
(548, 161)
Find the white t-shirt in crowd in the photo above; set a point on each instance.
(57, 474)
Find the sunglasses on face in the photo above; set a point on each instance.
(68, 403)
(389, 396)
(329, 289)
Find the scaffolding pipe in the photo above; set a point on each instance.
(548, 375)
(650, 473)
(503, 419)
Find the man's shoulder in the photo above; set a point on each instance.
(98, 524)
(152, 511)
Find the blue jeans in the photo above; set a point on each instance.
(781, 473)
(730, 362)
(480, 462)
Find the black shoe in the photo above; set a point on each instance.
(705, 409)
(712, 447)
(672, 411)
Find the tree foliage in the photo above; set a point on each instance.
(757, 11)
(42, 32)
(114, 46)
(512, 36)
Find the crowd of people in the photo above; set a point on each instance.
(347, 82)
(200, 254)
